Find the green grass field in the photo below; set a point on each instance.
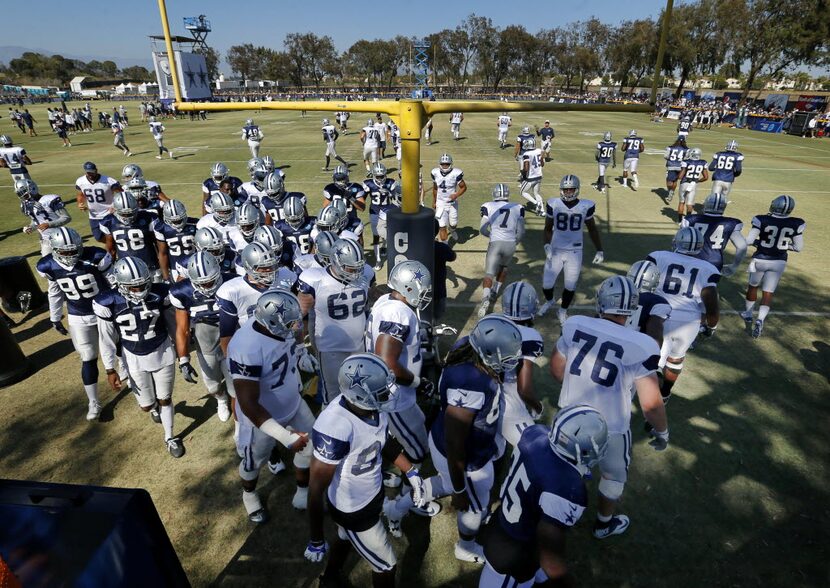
(740, 498)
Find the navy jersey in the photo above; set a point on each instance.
(726, 166)
(632, 147)
(776, 235)
(348, 194)
(716, 231)
(81, 283)
(273, 204)
(380, 195)
(694, 170)
(675, 154)
(520, 139)
(135, 239)
(299, 237)
(142, 327)
(540, 486)
(605, 151)
(251, 132)
(201, 308)
(651, 304)
(546, 133)
(685, 126)
(180, 244)
(467, 387)
(227, 262)
(211, 185)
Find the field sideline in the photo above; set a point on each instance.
(739, 499)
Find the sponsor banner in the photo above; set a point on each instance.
(776, 101)
(193, 76)
(811, 103)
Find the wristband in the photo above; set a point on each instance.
(416, 381)
(462, 491)
(273, 429)
(184, 359)
(664, 435)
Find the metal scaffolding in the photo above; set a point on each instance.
(199, 27)
(420, 67)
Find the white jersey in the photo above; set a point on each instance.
(603, 361)
(372, 138)
(533, 346)
(504, 219)
(14, 157)
(568, 222)
(381, 129)
(210, 221)
(504, 122)
(682, 279)
(237, 240)
(395, 318)
(157, 129)
(344, 234)
(456, 118)
(305, 262)
(447, 183)
(98, 194)
(253, 192)
(536, 161)
(237, 298)
(329, 133)
(254, 356)
(339, 310)
(354, 444)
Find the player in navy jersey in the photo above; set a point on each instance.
(211, 239)
(692, 172)
(717, 231)
(128, 231)
(684, 126)
(78, 273)
(253, 135)
(674, 156)
(175, 234)
(653, 310)
(218, 173)
(350, 193)
(379, 188)
(296, 226)
(543, 496)
(632, 146)
(547, 134)
(273, 203)
(520, 141)
(464, 439)
(197, 317)
(138, 314)
(725, 167)
(773, 235)
(606, 154)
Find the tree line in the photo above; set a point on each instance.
(56, 70)
(753, 40)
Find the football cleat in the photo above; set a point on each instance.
(483, 307)
(545, 308)
(469, 551)
(300, 499)
(616, 526)
(275, 467)
(757, 329)
(154, 414)
(175, 447)
(392, 522)
(747, 316)
(58, 326)
(94, 410)
(562, 315)
(223, 410)
(430, 509)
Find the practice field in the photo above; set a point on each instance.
(739, 499)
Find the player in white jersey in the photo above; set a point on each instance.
(504, 123)
(118, 138)
(14, 158)
(521, 407)
(330, 136)
(428, 131)
(350, 441)
(504, 223)
(565, 218)
(370, 137)
(447, 187)
(383, 135)
(95, 193)
(241, 234)
(334, 299)
(393, 333)
(264, 359)
(688, 284)
(531, 174)
(223, 216)
(599, 360)
(456, 118)
(157, 129)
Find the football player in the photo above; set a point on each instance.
(428, 131)
(334, 218)
(78, 273)
(253, 135)
(543, 495)
(320, 255)
(521, 407)
(689, 284)
(504, 223)
(117, 129)
(773, 235)
(264, 359)
(606, 153)
(393, 333)
(674, 156)
(334, 298)
(212, 240)
(175, 240)
(547, 134)
(95, 193)
(138, 313)
(14, 158)
(717, 231)
(380, 189)
(464, 440)
(297, 225)
(248, 219)
(524, 135)
(530, 175)
(725, 167)
(157, 129)
(146, 196)
(350, 440)
(456, 118)
(632, 146)
(218, 173)
(599, 360)
(684, 126)
(223, 215)
(128, 232)
(44, 211)
(351, 194)
(653, 310)
(330, 136)
(197, 316)
(255, 190)
(370, 137)
(383, 135)
(273, 204)
(447, 187)
(692, 172)
(564, 220)
(504, 122)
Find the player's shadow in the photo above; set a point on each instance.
(46, 356)
(662, 193)
(669, 213)
(198, 414)
(36, 329)
(817, 360)
(465, 234)
(108, 410)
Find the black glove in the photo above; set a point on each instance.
(426, 388)
(188, 372)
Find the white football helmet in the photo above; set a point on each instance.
(412, 280)
(279, 312)
(498, 343)
(617, 295)
(579, 435)
(366, 382)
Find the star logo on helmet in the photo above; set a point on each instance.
(356, 379)
(280, 309)
(418, 275)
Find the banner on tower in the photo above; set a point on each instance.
(193, 75)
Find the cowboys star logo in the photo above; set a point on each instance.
(356, 379)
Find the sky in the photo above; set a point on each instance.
(266, 23)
